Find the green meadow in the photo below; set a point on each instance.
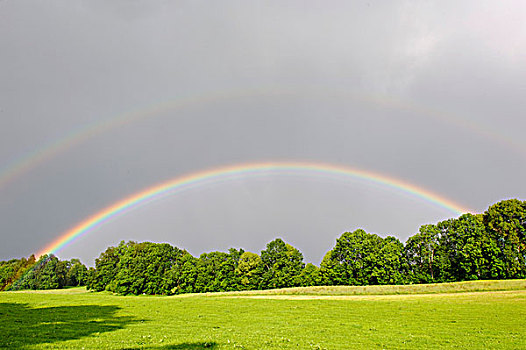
(468, 315)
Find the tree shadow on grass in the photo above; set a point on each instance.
(21, 325)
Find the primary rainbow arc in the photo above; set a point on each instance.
(242, 170)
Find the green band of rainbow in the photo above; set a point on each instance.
(237, 171)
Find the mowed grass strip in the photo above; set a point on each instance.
(73, 319)
(432, 288)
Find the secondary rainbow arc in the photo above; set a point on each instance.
(43, 153)
(242, 170)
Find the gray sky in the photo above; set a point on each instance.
(431, 93)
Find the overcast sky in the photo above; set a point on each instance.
(429, 92)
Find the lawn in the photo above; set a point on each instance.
(487, 315)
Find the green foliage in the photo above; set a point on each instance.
(360, 258)
(50, 273)
(249, 271)
(13, 270)
(506, 224)
(282, 265)
(328, 273)
(389, 268)
(77, 273)
(143, 267)
(107, 267)
(183, 274)
(472, 247)
(466, 250)
(310, 276)
(483, 246)
(420, 255)
(47, 273)
(215, 273)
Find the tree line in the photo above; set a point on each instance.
(491, 245)
(48, 272)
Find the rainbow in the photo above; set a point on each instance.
(229, 173)
(25, 163)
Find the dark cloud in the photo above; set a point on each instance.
(430, 93)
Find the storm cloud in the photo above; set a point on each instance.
(431, 93)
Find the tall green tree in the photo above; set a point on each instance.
(183, 275)
(107, 267)
(389, 268)
(142, 268)
(360, 258)
(310, 276)
(48, 273)
(76, 274)
(331, 271)
(282, 265)
(216, 271)
(227, 274)
(420, 254)
(506, 222)
(210, 267)
(249, 271)
(467, 250)
(13, 272)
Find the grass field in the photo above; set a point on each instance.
(468, 315)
